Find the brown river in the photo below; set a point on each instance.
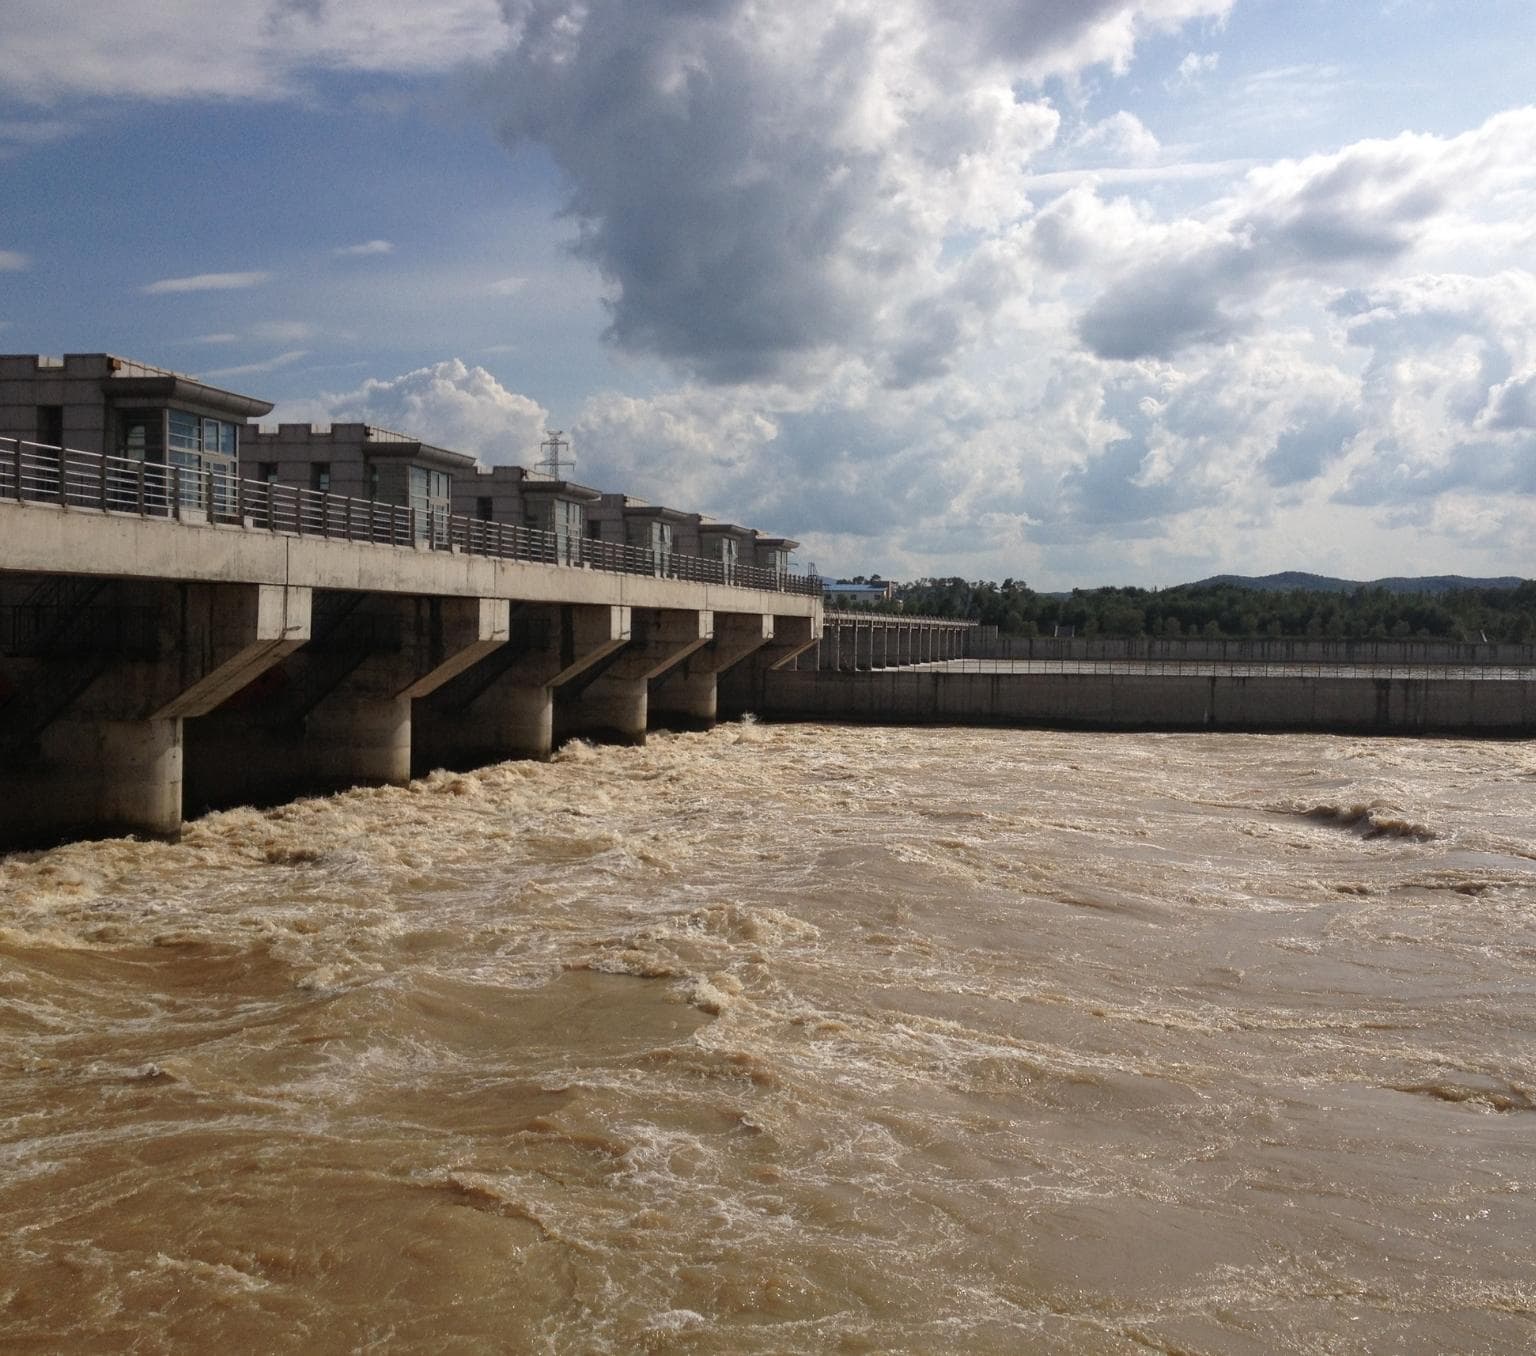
(792, 1039)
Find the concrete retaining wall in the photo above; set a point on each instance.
(1385, 652)
(1146, 702)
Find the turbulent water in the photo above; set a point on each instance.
(792, 1039)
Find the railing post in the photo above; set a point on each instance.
(16, 456)
(103, 482)
(176, 492)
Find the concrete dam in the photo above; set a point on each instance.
(164, 653)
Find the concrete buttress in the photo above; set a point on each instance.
(503, 707)
(93, 738)
(614, 703)
(688, 694)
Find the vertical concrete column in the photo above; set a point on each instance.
(359, 732)
(863, 645)
(97, 776)
(688, 695)
(614, 704)
(140, 762)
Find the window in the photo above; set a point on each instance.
(429, 502)
(204, 450)
(373, 480)
(320, 476)
(138, 435)
(484, 509)
(50, 425)
(266, 472)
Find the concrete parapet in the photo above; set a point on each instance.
(1489, 706)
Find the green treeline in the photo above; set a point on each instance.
(1227, 610)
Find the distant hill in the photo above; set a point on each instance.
(1322, 583)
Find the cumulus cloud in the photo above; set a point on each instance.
(205, 282)
(1122, 138)
(12, 260)
(1449, 366)
(1193, 67)
(763, 186)
(449, 404)
(1513, 404)
(237, 49)
(364, 249)
(899, 342)
(1330, 217)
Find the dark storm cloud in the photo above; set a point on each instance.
(714, 218)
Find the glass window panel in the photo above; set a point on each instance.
(184, 431)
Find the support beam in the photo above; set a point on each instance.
(102, 747)
(359, 732)
(339, 712)
(687, 697)
(504, 706)
(742, 686)
(615, 703)
(253, 628)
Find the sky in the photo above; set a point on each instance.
(1076, 292)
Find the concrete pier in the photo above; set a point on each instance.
(93, 733)
(504, 706)
(614, 703)
(687, 697)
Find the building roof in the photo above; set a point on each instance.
(131, 378)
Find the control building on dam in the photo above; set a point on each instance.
(196, 611)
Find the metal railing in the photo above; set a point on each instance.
(39, 473)
(1237, 668)
(839, 617)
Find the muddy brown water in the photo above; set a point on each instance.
(792, 1039)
